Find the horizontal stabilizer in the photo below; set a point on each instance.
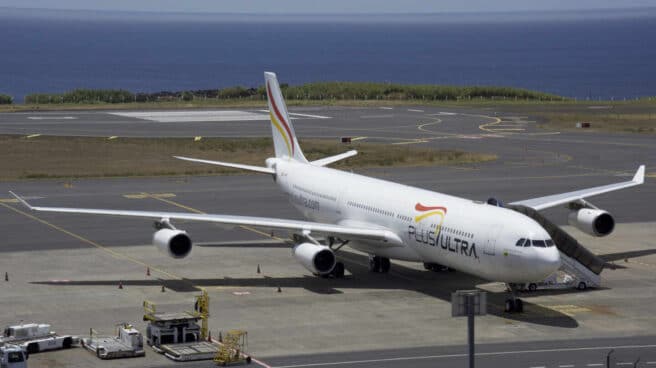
(332, 159)
(260, 169)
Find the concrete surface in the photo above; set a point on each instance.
(66, 269)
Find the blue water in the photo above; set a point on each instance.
(601, 57)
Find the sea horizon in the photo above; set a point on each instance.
(579, 54)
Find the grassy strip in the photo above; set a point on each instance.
(257, 103)
(76, 157)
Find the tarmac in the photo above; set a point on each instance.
(65, 269)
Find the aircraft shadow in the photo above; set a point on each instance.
(438, 285)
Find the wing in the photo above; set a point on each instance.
(558, 199)
(383, 237)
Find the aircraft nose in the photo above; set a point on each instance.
(549, 261)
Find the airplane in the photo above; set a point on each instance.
(387, 220)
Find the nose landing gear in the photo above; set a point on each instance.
(513, 303)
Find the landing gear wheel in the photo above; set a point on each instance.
(510, 306)
(379, 264)
(532, 287)
(338, 271)
(67, 343)
(385, 265)
(582, 286)
(374, 263)
(514, 306)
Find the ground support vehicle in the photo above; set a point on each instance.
(35, 338)
(128, 343)
(12, 356)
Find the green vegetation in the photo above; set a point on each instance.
(384, 91)
(6, 99)
(359, 91)
(83, 96)
(74, 157)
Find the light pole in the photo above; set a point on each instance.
(469, 303)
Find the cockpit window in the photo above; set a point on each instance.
(549, 242)
(520, 242)
(539, 243)
(527, 243)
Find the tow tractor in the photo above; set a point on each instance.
(35, 337)
(12, 356)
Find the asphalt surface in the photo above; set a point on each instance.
(531, 163)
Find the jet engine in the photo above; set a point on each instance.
(316, 258)
(174, 243)
(591, 221)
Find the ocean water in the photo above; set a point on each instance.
(602, 56)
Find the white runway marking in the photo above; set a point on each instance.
(51, 117)
(425, 357)
(309, 116)
(415, 110)
(386, 108)
(292, 114)
(194, 116)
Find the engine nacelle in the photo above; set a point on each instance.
(592, 221)
(174, 243)
(317, 259)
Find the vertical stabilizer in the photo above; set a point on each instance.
(284, 138)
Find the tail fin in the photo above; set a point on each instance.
(284, 138)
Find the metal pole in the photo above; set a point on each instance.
(470, 328)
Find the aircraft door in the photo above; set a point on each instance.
(491, 241)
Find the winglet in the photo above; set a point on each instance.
(639, 176)
(21, 200)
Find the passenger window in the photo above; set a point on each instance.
(539, 243)
(520, 242)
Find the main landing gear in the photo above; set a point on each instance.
(513, 304)
(436, 267)
(337, 272)
(379, 264)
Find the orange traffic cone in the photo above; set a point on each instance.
(163, 288)
(147, 271)
(120, 284)
(279, 289)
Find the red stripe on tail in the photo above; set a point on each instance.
(284, 123)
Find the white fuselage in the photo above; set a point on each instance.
(468, 236)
